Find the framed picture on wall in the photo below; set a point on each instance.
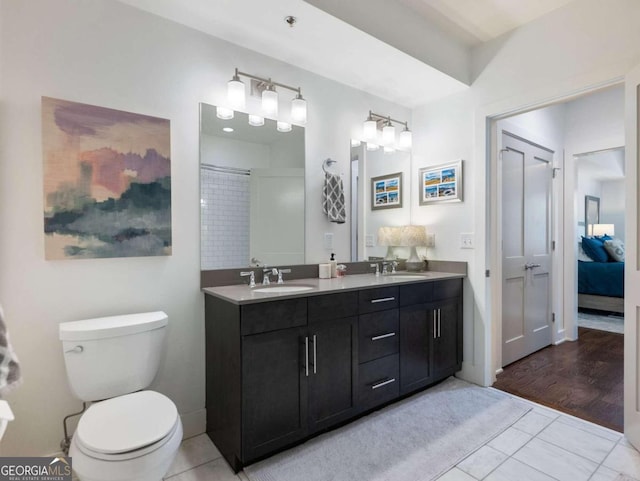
(386, 191)
(440, 183)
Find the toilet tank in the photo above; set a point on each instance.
(110, 356)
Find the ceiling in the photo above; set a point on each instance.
(477, 21)
(602, 165)
(374, 55)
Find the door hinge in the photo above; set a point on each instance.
(555, 171)
(553, 317)
(553, 245)
(486, 273)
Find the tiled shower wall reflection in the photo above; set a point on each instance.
(224, 220)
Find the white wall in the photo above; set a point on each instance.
(377, 163)
(104, 53)
(215, 150)
(612, 206)
(583, 45)
(587, 185)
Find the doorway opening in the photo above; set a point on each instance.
(544, 179)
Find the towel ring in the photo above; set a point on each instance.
(326, 164)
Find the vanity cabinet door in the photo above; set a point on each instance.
(332, 372)
(274, 391)
(447, 342)
(416, 336)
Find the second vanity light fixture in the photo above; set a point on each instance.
(370, 133)
(237, 100)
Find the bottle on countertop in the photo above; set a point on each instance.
(334, 265)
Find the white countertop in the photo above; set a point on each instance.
(243, 294)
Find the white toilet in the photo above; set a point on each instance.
(129, 435)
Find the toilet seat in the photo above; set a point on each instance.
(127, 426)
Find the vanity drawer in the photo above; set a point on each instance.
(447, 289)
(333, 306)
(378, 334)
(417, 293)
(271, 316)
(379, 299)
(378, 381)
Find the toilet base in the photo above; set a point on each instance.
(149, 467)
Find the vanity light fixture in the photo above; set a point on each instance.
(283, 126)
(388, 133)
(370, 128)
(236, 96)
(370, 131)
(224, 113)
(235, 92)
(256, 120)
(270, 101)
(406, 139)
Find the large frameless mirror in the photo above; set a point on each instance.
(251, 192)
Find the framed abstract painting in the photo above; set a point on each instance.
(107, 182)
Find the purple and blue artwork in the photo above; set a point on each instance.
(107, 182)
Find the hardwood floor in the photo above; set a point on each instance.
(583, 378)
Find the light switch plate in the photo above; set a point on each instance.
(431, 240)
(369, 241)
(466, 240)
(328, 240)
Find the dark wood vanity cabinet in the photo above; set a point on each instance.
(333, 359)
(280, 371)
(430, 333)
(274, 391)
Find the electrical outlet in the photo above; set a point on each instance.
(369, 241)
(328, 240)
(431, 240)
(466, 240)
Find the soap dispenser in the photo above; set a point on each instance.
(334, 265)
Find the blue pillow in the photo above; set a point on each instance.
(594, 248)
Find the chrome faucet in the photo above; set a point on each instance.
(280, 272)
(394, 264)
(377, 266)
(268, 271)
(252, 277)
(385, 271)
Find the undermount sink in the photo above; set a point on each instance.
(282, 289)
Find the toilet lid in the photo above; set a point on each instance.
(126, 423)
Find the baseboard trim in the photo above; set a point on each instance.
(194, 423)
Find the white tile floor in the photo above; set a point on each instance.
(544, 445)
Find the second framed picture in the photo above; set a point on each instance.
(386, 191)
(441, 183)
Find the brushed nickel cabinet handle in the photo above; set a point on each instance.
(306, 356)
(383, 299)
(435, 329)
(383, 336)
(383, 383)
(439, 319)
(315, 343)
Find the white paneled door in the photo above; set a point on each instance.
(526, 171)
(632, 263)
